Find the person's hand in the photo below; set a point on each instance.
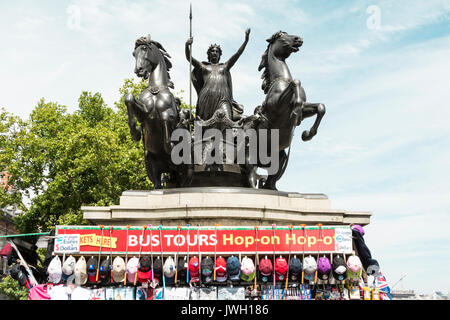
(189, 41)
(247, 33)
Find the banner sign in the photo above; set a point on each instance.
(207, 240)
(67, 243)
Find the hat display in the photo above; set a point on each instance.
(295, 268)
(80, 272)
(144, 270)
(118, 269)
(233, 268)
(55, 270)
(68, 267)
(281, 268)
(339, 268)
(92, 265)
(265, 268)
(207, 269)
(248, 270)
(132, 268)
(309, 268)
(221, 269)
(323, 268)
(194, 269)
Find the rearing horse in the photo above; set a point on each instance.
(156, 108)
(285, 105)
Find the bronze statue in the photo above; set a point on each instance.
(156, 109)
(212, 81)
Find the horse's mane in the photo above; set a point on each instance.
(264, 62)
(147, 42)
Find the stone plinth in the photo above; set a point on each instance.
(224, 206)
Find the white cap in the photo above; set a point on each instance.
(69, 266)
(54, 270)
(309, 267)
(80, 272)
(169, 267)
(247, 266)
(118, 269)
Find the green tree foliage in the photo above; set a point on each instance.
(60, 161)
(11, 288)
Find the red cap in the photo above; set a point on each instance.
(265, 266)
(221, 267)
(281, 267)
(194, 268)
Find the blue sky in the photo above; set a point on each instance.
(380, 67)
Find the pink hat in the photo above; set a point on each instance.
(132, 268)
(354, 263)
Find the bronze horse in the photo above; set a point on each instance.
(285, 105)
(156, 109)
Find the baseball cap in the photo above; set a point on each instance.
(118, 269)
(54, 270)
(339, 268)
(354, 267)
(144, 270)
(68, 267)
(157, 268)
(132, 268)
(80, 272)
(19, 273)
(295, 268)
(92, 265)
(265, 268)
(323, 268)
(248, 270)
(221, 269)
(207, 269)
(358, 228)
(169, 268)
(105, 272)
(194, 269)
(182, 268)
(281, 268)
(309, 267)
(373, 268)
(233, 268)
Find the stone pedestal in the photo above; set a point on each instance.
(223, 206)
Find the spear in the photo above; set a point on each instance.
(190, 67)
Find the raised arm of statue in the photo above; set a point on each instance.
(195, 62)
(230, 63)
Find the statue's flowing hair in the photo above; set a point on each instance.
(146, 41)
(264, 62)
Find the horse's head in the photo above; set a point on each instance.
(283, 44)
(148, 54)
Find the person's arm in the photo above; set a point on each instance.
(195, 62)
(230, 63)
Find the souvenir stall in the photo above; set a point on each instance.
(209, 263)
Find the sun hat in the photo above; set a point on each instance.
(68, 267)
(54, 270)
(132, 269)
(221, 269)
(233, 268)
(281, 268)
(248, 270)
(323, 268)
(80, 272)
(118, 269)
